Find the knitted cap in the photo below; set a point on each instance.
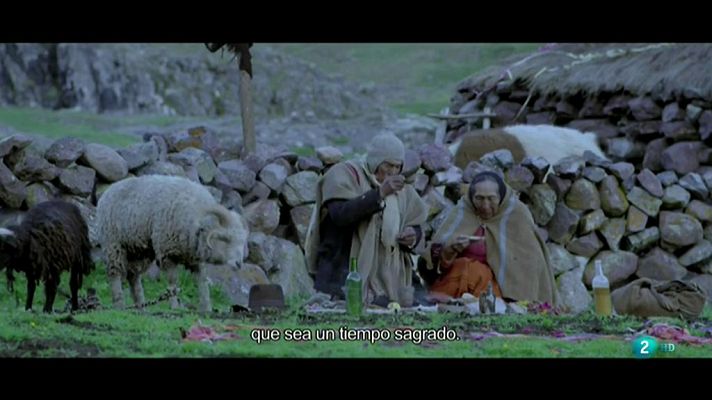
(385, 147)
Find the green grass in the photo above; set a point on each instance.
(156, 332)
(93, 128)
(304, 151)
(421, 77)
(415, 78)
(58, 124)
(340, 140)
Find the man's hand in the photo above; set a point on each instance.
(407, 237)
(392, 184)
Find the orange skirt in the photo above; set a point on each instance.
(466, 276)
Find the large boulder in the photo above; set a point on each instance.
(679, 229)
(644, 109)
(300, 217)
(542, 203)
(236, 283)
(583, 196)
(140, 154)
(538, 166)
(644, 201)
(679, 130)
(329, 155)
(573, 295)
(701, 211)
(28, 165)
(594, 174)
(412, 163)
(107, 163)
(77, 179)
(561, 260)
(660, 265)
(667, 178)
(501, 159)
(570, 167)
(452, 176)
(562, 225)
(198, 159)
(591, 221)
(236, 175)
(650, 183)
(622, 170)
(273, 175)
(642, 240)
(613, 200)
(618, 266)
(310, 164)
(675, 197)
(694, 184)
(13, 143)
(161, 168)
(40, 192)
(612, 231)
(698, 253)
(585, 246)
(559, 185)
(290, 270)
(300, 188)
(259, 191)
(435, 158)
(262, 215)
(65, 151)
(681, 157)
(637, 220)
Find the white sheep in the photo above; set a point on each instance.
(553, 143)
(172, 220)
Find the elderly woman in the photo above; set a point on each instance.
(490, 236)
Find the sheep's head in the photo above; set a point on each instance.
(222, 238)
(9, 248)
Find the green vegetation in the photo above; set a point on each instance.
(156, 332)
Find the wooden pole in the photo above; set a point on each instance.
(246, 111)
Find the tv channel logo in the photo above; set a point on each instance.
(646, 347)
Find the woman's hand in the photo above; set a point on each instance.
(460, 244)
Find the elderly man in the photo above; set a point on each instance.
(367, 212)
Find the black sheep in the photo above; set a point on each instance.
(53, 237)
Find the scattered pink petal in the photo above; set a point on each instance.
(206, 334)
(676, 334)
(578, 338)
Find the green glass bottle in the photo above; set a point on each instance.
(354, 299)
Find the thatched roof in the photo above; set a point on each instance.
(664, 70)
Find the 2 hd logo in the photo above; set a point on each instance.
(646, 347)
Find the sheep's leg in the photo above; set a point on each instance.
(116, 266)
(74, 287)
(50, 293)
(117, 295)
(134, 279)
(203, 289)
(172, 271)
(31, 285)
